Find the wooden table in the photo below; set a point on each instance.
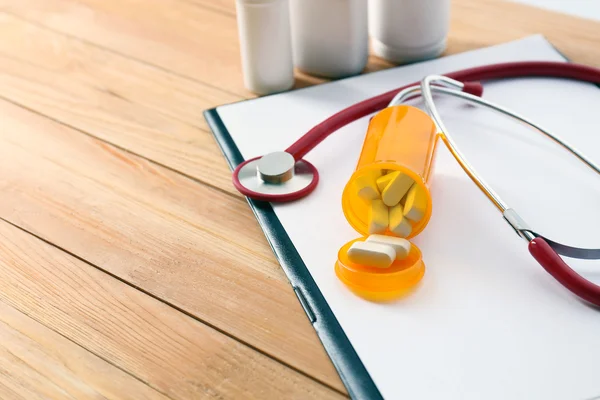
(130, 266)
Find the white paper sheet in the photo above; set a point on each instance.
(487, 322)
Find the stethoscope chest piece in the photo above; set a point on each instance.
(275, 177)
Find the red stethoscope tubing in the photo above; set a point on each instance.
(470, 76)
(553, 263)
(547, 257)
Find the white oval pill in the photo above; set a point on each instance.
(401, 246)
(372, 254)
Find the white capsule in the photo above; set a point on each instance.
(400, 246)
(371, 254)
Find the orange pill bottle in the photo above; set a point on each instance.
(399, 138)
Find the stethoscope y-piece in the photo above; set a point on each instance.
(524, 231)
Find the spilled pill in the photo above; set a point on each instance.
(378, 217)
(366, 187)
(372, 254)
(396, 189)
(400, 246)
(399, 225)
(416, 204)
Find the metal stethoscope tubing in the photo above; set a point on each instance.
(432, 83)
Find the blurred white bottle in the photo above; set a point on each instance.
(330, 37)
(266, 47)
(408, 30)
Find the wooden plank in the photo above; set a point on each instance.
(137, 107)
(171, 352)
(38, 363)
(195, 247)
(86, 64)
(178, 36)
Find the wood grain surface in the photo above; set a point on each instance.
(174, 354)
(37, 362)
(159, 231)
(131, 268)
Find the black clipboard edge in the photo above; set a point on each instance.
(352, 372)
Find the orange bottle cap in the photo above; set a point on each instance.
(380, 284)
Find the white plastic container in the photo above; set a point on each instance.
(266, 47)
(330, 37)
(408, 30)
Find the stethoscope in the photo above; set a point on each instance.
(286, 176)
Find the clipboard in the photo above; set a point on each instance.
(353, 372)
